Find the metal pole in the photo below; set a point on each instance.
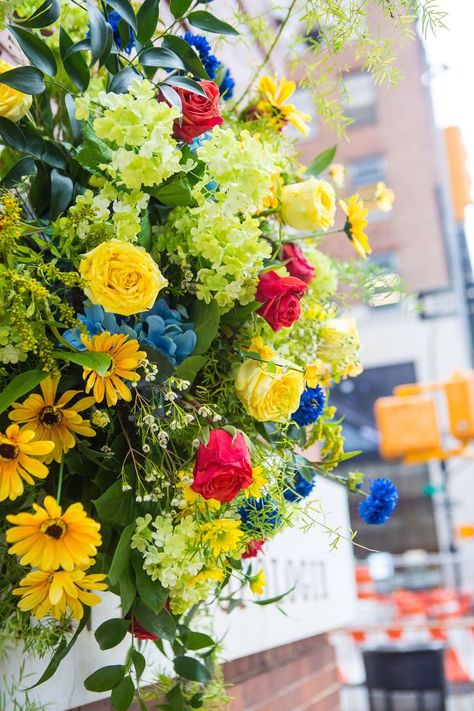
(448, 509)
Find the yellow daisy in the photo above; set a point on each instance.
(356, 222)
(51, 420)
(274, 98)
(16, 464)
(59, 592)
(50, 539)
(125, 359)
(258, 482)
(223, 535)
(258, 582)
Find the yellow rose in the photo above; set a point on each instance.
(121, 278)
(268, 396)
(13, 104)
(309, 205)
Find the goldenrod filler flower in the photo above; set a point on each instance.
(308, 205)
(50, 539)
(13, 104)
(384, 197)
(51, 420)
(356, 222)
(223, 535)
(125, 356)
(16, 461)
(121, 277)
(258, 582)
(274, 98)
(59, 592)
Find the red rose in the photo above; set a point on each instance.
(222, 466)
(280, 297)
(253, 548)
(199, 113)
(140, 632)
(296, 263)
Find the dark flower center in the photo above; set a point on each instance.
(54, 528)
(50, 416)
(8, 452)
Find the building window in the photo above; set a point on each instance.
(365, 172)
(360, 101)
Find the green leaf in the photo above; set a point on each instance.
(122, 695)
(121, 555)
(192, 669)
(98, 34)
(115, 507)
(100, 362)
(43, 16)
(203, 20)
(190, 58)
(29, 80)
(161, 57)
(175, 699)
(92, 152)
(171, 96)
(190, 367)
(122, 80)
(271, 600)
(125, 10)
(36, 50)
(105, 678)
(12, 134)
(139, 662)
(147, 20)
(19, 386)
(199, 640)
(25, 166)
(162, 624)
(185, 83)
(180, 7)
(176, 191)
(62, 189)
(61, 651)
(71, 112)
(321, 161)
(111, 633)
(152, 592)
(127, 590)
(206, 319)
(75, 65)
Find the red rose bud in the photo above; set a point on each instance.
(222, 466)
(280, 298)
(296, 263)
(140, 632)
(253, 548)
(200, 113)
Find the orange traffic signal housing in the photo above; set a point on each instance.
(460, 400)
(408, 425)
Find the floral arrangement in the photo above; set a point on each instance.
(169, 332)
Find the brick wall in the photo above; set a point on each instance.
(300, 676)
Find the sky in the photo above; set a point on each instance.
(451, 59)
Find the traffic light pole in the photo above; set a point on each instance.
(448, 512)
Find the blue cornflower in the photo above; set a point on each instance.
(227, 85)
(113, 18)
(162, 328)
(380, 503)
(201, 45)
(311, 406)
(299, 488)
(260, 515)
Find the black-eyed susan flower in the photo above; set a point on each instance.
(356, 222)
(18, 463)
(52, 419)
(274, 97)
(59, 592)
(50, 539)
(125, 357)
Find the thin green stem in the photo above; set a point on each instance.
(60, 481)
(267, 56)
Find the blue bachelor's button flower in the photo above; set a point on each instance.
(227, 86)
(311, 406)
(260, 516)
(379, 505)
(210, 62)
(114, 18)
(299, 488)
